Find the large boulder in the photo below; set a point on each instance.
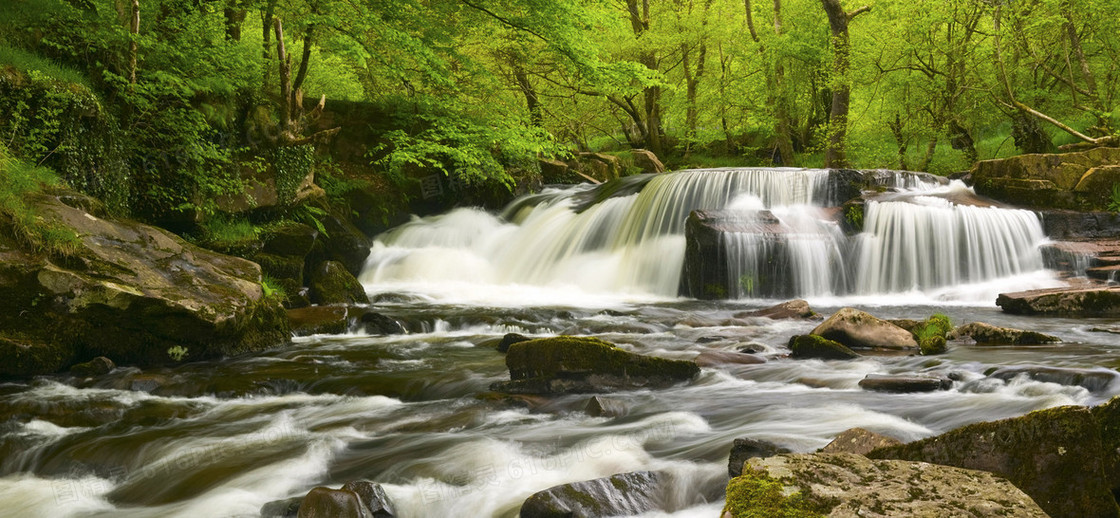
(126, 291)
(987, 334)
(324, 502)
(1056, 456)
(746, 448)
(331, 283)
(845, 484)
(860, 330)
(859, 441)
(706, 273)
(647, 161)
(571, 364)
(1068, 302)
(624, 494)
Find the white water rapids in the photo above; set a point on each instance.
(414, 413)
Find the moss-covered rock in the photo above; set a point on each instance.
(624, 494)
(566, 364)
(746, 448)
(1108, 422)
(845, 484)
(813, 346)
(126, 291)
(1068, 302)
(987, 334)
(331, 283)
(860, 330)
(1056, 456)
(1050, 181)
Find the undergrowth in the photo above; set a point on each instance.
(20, 180)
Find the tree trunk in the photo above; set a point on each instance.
(651, 95)
(838, 20)
(927, 158)
(235, 16)
(783, 126)
(285, 78)
(133, 43)
(532, 102)
(899, 137)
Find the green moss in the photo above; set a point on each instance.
(931, 334)
(814, 346)
(755, 494)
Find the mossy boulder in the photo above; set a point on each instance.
(624, 494)
(859, 441)
(1078, 181)
(813, 346)
(746, 448)
(857, 330)
(126, 291)
(1056, 456)
(1067, 302)
(845, 484)
(331, 283)
(570, 364)
(987, 334)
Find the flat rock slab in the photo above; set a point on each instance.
(1071, 302)
(904, 384)
(850, 485)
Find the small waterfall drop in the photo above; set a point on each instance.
(786, 240)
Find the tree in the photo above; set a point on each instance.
(838, 20)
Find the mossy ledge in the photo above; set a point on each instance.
(755, 494)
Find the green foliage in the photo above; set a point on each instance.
(223, 231)
(273, 289)
(931, 334)
(853, 215)
(33, 63)
(293, 164)
(1114, 199)
(22, 180)
(756, 494)
(177, 353)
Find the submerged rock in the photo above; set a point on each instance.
(287, 508)
(713, 357)
(903, 384)
(860, 330)
(599, 406)
(571, 364)
(859, 441)
(745, 448)
(625, 494)
(340, 319)
(1095, 380)
(96, 367)
(845, 484)
(987, 334)
(1069, 302)
(355, 499)
(323, 502)
(373, 497)
(1056, 456)
(126, 291)
(813, 346)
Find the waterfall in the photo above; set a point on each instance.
(629, 237)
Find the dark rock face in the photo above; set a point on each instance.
(859, 441)
(903, 384)
(789, 310)
(288, 508)
(340, 319)
(331, 283)
(129, 292)
(647, 161)
(845, 484)
(625, 494)
(860, 330)
(599, 406)
(1108, 422)
(987, 334)
(373, 497)
(1056, 456)
(1068, 224)
(1071, 302)
(813, 346)
(569, 364)
(745, 449)
(510, 339)
(96, 367)
(356, 499)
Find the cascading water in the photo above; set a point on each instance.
(635, 243)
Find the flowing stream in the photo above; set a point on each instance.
(414, 412)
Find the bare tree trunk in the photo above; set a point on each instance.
(639, 22)
(903, 142)
(838, 20)
(266, 37)
(532, 102)
(783, 132)
(133, 43)
(285, 78)
(927, 158)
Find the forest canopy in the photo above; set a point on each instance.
(191, 90)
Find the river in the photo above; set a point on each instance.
(414, 411)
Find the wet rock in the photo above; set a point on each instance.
(713, 357)
(1056, 456)
(1108, 422)
(340, 319)
(510, 339)
(754, 348)
(1068, 224)
(860, 330)
(126, 291)
(813, 346)
(599, 406)
(570, 364)
(1069, 302)
(790, 310)
(147, 383)
(647, 161)
(377, 324)
(331, 283)
(1094, 380)
(553, 171)
(373, 497)
(845, 484)
(287, 508)
(903, 384)
(289, 239)
(859, 441)
(323, 502)
(625, 494)
(987, 334)
(342, 242)
(99, 366)
(745, 448)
